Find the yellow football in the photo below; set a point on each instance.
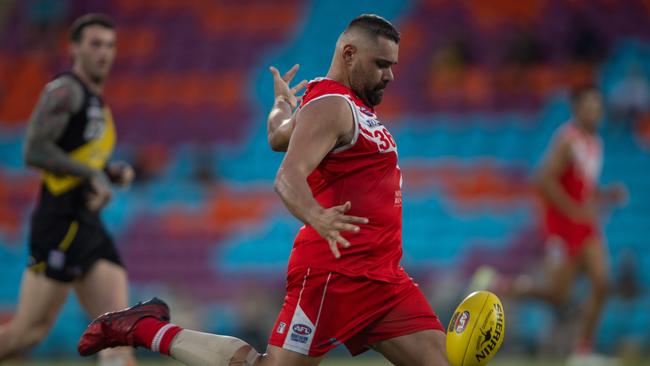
(476, 330)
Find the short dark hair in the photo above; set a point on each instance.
(579, 92)
(87, 20)
(375, 25)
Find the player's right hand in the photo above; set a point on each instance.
(101, 193)
(330, 222)
(281, 85)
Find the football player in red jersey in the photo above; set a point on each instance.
(568, 184)
(340, 177)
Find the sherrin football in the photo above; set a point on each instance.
(476, 330)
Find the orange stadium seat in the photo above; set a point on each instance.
(30, 74)
(495, 13)
(249, 18)
(140, 43)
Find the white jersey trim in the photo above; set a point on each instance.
(355, 119)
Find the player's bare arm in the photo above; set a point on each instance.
(281, 120)
(548, 181)
(59, 101)
(321, 126)
(615, 194)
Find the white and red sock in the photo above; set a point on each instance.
(155, 334)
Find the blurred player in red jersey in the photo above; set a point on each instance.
(572, 199)
(340, 177)
(568, 183)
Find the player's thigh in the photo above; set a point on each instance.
(423, 348)
(276, 356)
(104, 288)
(560, 268)
(39, 302)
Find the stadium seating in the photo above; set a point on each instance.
(190, 92)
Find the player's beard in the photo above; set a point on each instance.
(375, 94)
(97, 71)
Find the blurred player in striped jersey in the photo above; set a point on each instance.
(70, 139)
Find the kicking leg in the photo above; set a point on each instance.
(203, 349)
(424, 348)
(104, 288)
(146, 325)
(39, 303)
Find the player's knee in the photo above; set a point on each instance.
(435, 358)
(436, 353)
(439, 358)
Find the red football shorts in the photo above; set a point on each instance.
(324, 309)
(573, 235)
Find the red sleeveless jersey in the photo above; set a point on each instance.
(364, 172)
(579, 180)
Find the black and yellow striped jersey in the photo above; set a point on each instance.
(89, 138)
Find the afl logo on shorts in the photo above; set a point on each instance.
(461, 322)
(302, 329)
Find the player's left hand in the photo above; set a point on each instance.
(617, 194)
(281, 85)
(121, 173)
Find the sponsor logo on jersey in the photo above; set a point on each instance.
(96, 124)
(371, 122)
(281, 327)
(365, 111)
(491, 332)
(461, 322)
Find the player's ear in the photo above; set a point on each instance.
(349, 52)
(73, 49)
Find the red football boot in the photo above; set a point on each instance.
(116, 328)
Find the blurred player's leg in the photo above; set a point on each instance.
(104, 288)
(40, 300)
(596, 264)
(424, 348)
(560, 272)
